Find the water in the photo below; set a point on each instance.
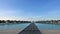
(48, 26)
(13, 26)
(24, 25)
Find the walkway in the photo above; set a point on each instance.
(31, 29)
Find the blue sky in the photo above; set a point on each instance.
(45, 9)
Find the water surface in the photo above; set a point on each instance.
(14, 26)
(24, 25)
(48, 26)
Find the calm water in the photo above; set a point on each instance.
(14, 26)
(48, 26)
(24, 25)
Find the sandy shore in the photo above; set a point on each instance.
(9, 31)
(17, 31)
(50, 31)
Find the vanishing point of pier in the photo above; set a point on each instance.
(31, 29)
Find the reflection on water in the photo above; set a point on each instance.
(24, 25)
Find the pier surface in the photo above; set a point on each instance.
(31, 29)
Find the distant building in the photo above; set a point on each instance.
(58, 21)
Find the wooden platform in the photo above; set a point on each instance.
(31, 29)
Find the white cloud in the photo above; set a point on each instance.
(5, 15)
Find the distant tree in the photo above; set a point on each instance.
(3, 21)
(15, 21)
(0, 21)
(8, 21)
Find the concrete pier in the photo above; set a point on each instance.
(31, 29)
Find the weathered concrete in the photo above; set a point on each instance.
(31, 29)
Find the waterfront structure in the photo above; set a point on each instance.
(45, 22)
(31, 29)
(58, 21)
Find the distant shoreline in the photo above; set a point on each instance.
(43, 22)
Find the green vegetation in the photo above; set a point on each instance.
(13, 21)
(43, 22)
(49, 22)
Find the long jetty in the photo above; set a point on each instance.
(31, 29)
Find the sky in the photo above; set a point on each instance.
(30, 9)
